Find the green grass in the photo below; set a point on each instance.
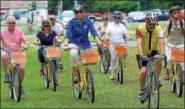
(108, 94)
(26, 31)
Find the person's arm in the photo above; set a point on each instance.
(161, 42)
(36, 39)
(24, 41)
(139, 42)
(126, 34)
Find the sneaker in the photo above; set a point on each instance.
(56, 82)
(6, 79)
(41, 72)
(166, 74)
(159, 82)
(61, 66)
(112, 77)
(141, 95)
(75, 80)
(22, 91)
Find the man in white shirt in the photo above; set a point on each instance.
(116, 32)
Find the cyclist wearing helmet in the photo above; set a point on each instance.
(102, 27)
(116, 32)
(174, 35)
(46, 37)
(77, 36)
(148, 36)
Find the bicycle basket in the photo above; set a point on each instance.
(106, 44)
(120, 49)
(89, 57)
(52, 52)
(177, 55)
(18, 58)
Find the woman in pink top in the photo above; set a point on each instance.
(12, 38)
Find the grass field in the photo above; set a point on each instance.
(108, 94)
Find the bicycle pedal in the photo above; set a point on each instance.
(142, 101)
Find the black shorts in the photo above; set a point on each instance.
(144, 63)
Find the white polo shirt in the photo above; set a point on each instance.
(116, 32)
(57, 28)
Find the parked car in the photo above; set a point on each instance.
(67, 16)
(93, 16)
(137, 16)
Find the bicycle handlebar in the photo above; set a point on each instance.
(151, 58)
(22, 50)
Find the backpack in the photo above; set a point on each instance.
(170, 26)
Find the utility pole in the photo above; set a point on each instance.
(138, 5)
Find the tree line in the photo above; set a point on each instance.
(112, 5)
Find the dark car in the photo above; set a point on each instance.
(164, 16)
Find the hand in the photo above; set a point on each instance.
(66, 48)
(35, 43)
(26, 46)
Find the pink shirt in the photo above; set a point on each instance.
(11, 41)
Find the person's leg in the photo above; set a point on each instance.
(168, 67)
(41, 60)
(142, 76)
(5, 66)
(113, 62)
(74, 57)
(21, 70)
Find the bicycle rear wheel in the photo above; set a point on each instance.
(16, 85)
(46, 77)
(105, 60)
(10, 89)
(76, 87)
(120, 72)
(53, 72)
(155, 92)
(90, 86)
(172, 79)
(179, 80)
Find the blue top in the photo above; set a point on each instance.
(46, 40)
(78, 33)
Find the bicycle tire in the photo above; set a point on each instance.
(121, 73)
(179, 81)
(154, 101)
(16, 85)
(105, 57)
(53, 74)
(172, 80)
(90, 89)
(76, 87)
(46, 78)
(147, 90)
(10, 89)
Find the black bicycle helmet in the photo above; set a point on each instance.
(173, 8)
(45, 23)
(78, 7)
(116, 13)
(153, 17)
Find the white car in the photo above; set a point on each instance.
(137, 16)
(67, 16)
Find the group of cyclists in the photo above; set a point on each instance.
(151, 40)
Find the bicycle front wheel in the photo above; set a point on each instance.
(10, 89)
(120, 72)
(16, 85)
(76, 87)
(155, 92)
(46, 78)
(105, 60)
(53, 72)
(90, 86)
(172, 79)
(179, 80)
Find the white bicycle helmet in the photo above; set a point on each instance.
(153, 17)
(78, 7)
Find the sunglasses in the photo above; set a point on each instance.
(52, 19)
(176, 12)
(13, 23)
(105, 19)
(117, 17)
(76, 12)
(46, 26)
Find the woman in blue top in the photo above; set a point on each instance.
(46, 37)
(77, 36)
